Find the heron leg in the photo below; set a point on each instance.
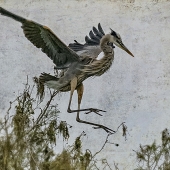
(73, 87)
(80, 90)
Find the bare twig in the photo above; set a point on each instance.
(106, 140)
(43, 111)
(116, 166)
(33, 158)
(46, 107)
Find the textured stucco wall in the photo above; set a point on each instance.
(135, 90)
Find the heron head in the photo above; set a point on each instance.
(116, 39)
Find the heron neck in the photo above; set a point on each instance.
(105, 62)
(104, 44)
(98, 67)
(104, 39)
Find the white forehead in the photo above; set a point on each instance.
(118, 35)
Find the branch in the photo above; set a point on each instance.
(102, 146)
(116, 166)
(106, 140)
(43, 111)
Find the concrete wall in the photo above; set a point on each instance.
(135, 90)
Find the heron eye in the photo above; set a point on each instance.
(110, 44)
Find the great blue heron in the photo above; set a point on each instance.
(78, 61)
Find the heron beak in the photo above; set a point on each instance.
(123, 47)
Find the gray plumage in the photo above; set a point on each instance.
(77, 61)
(42, 37)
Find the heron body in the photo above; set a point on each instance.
(76, 61)
(83, 69)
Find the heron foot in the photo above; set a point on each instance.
(96, 126)
(95, 111)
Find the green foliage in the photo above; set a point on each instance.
(72, 159)
(40, 88)
(29, 133)
(155, 157)
(63, 129)
(29, 136)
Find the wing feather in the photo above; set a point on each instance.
(94, 37)
(42, 37)
(100, 29)
(98, 34)
(91, 46)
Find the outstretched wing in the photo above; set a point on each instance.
(91, 47)
(42, 37)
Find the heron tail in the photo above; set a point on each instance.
(50, 81)
(44, 77)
